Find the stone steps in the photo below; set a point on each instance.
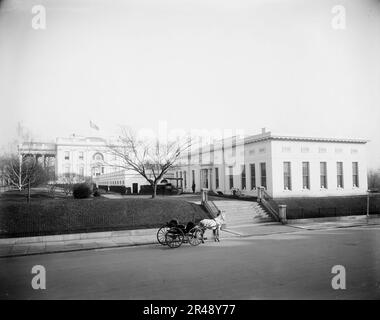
(242, 212)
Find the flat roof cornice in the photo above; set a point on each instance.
(269, 137)
(315, 139)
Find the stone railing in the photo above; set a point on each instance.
(277, 211)
(210, 206)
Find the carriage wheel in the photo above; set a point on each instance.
(195, 236)
(174, 237)
(161, 233)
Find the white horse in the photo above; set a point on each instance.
(213, 224)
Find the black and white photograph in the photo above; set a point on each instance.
(189, 155)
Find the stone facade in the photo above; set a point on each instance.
(285, 166)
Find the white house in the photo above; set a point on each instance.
(85, 157)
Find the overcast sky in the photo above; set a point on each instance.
(209, 64)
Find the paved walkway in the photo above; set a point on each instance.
(11, 247)
(339, 222)
(74, 242)
(260, 229)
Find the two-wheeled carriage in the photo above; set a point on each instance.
(174, 234)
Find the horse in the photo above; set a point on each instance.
(213, 224)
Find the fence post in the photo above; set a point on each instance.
(282, 213)
(204, 195)
(259, 193)
(367, 203)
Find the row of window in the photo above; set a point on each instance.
(287, 173)
(115, 182)
(95, 171)
(323, 181)
(204, 177)
(97, 156)
(67, 170)
(263, 176)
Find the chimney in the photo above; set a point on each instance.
(262, 130)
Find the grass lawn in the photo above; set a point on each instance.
(47, 216)
(300, 208)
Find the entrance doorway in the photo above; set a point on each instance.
(204, 178)
(135, 188)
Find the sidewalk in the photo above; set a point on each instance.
(259, 229)
(74, 242)
(335, 222)
(12, 247)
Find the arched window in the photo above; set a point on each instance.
(98, 157)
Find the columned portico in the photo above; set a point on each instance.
(43, 153)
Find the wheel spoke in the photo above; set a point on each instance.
(161, 235)
(174, 237)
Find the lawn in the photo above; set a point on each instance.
(47, 216)
(300, 208)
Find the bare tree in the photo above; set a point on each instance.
(150, 158)
(23, 172)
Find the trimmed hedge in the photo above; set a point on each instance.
(119, 189)
(302, 208)
(58, 216)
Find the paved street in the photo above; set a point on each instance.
(279, 266)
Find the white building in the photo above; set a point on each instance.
(84, 157)
(285, 166)
(125, 178)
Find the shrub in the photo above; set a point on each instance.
(81, 191)
(96, 193)
(123, 190)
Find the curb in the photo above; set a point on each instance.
(74, 250)
(76, 236)
(337, 227)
